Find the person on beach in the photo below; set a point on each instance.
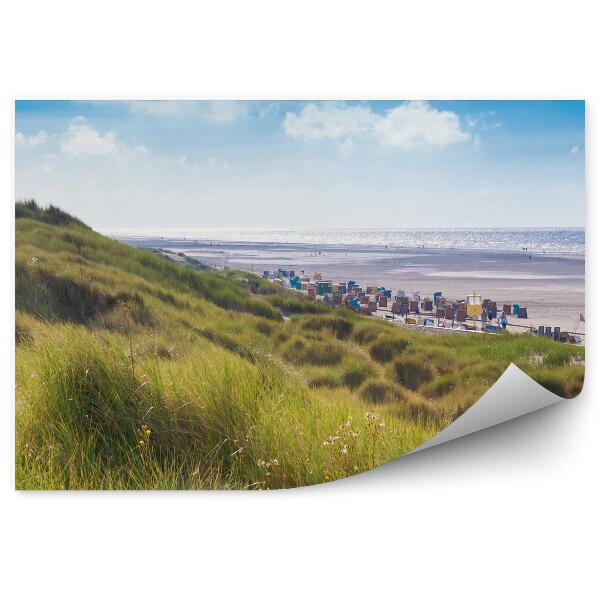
(503, 321)
(484, 318)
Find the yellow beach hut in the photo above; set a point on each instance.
(474, 304)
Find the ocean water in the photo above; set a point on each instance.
(535, 239)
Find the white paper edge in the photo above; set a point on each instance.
(513, 395)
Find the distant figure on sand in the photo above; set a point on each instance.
(503, 321)
(484, 318)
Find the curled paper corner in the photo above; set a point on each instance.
(513, 395)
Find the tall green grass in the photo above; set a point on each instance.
(92, 414)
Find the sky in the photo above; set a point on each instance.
(149, 165)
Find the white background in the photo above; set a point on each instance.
(508, 513)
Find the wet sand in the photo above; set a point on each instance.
(551, 286)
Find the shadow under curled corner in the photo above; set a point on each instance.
(513, 395)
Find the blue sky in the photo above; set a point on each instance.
(128, 165)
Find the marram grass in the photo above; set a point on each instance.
(90, 417)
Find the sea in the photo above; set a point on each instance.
(553, 240)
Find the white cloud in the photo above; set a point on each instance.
(211, 164)
(225, 111)
(215, 163)
(82, 138)
(347, 146)
(483, 121)
(574, 150)
(419, 124)
(140, 150)
(329, 121)
(29, 141)
(219, 111)
(408, 125)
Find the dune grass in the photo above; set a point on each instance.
(94, 415)
(381, 391)
(384, 349)
(411, 373)
(134, 372)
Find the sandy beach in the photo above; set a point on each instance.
(551, 286)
